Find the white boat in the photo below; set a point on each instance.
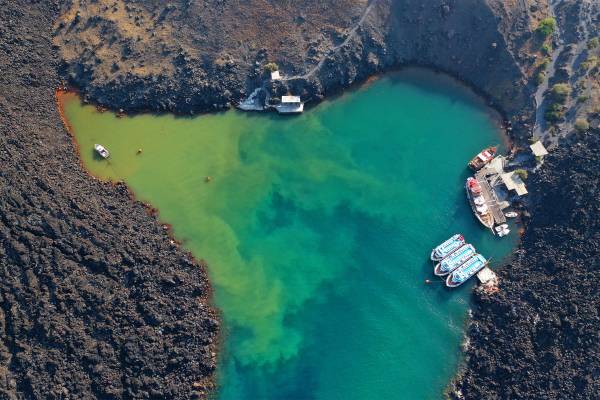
(466, 271)
(101, 150)
(454, 260)
(446, 248)
(477, 202)
(502, 230)
(290, 105)
(511, 214)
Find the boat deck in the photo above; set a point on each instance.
(490, 197)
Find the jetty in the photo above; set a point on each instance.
(489, 195)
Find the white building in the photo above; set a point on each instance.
(290, 105)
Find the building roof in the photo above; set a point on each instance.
(538, 149)
(497, 165)
(275, 76)
(514, 182)
(290, 99)
(486, 275)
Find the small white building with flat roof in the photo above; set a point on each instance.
(538, 149)
(275, 76)
(290, 105)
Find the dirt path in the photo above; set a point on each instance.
(334, 49)
(588, 8)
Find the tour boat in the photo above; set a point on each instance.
(446, 248)
(101, 150)
(481, 159)
(462, 274)
(477, 202)
(454, 260)
(511, 214)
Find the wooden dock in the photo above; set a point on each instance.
(490, 197)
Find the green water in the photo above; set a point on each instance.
(317, 230)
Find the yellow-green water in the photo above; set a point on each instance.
(317, 231)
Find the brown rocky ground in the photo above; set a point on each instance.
(185, 56)
(94, 300)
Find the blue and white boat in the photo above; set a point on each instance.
(446, 248)
(466, 271)
(454, 260)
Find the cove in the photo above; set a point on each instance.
(317, 230)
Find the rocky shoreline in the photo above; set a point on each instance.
(96, 302)
(538, 337)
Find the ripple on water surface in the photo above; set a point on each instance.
(317, 230)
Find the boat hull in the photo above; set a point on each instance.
(488, 224)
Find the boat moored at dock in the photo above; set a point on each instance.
(483, 158)
(454, 260)
(478, 203)
(466, 271)
(447, 247)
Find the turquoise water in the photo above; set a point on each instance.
(317, 231)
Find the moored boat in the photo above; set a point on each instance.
(511, 214)
(481, 159)
(502, 230)
(101, 150)
(454, 260)
(462, 274)
(447, 247)
(477, 202)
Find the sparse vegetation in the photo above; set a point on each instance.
(582, 124)
(589, 63)
(560, 92)
(593, 43)
(546, 27)
(522, 174)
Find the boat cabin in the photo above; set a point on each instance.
(290, 105)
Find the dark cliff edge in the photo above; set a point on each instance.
(147, 56)
(538, 337)
(95, 302)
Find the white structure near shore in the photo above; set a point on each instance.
(290, 105)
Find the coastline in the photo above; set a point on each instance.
(43, 78)
(87, 300)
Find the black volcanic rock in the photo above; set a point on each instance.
(94, 299)
(538, 338)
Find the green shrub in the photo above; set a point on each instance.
(546, 27)
(546, 63)
(539, 77)
(582, 99)
(271, 67)
(589, 63)
(547, 49)
(522, 174)
(582, 125)
(593, 43)
(560, 92)
(554, 113)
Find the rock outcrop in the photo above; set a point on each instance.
(538, 337)
(95, 301)
(187, 57)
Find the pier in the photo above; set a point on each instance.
(489, 196)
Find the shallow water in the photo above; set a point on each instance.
(317, 230)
